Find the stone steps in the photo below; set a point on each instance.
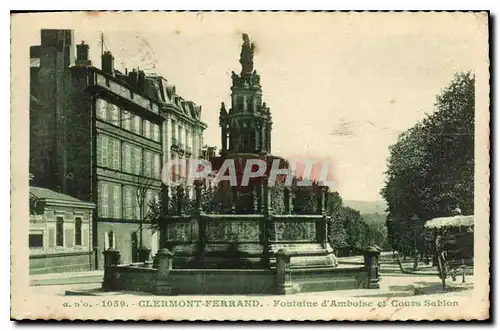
(322, 285)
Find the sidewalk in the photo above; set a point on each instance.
(83, 277)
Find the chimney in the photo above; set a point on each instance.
(82, 55)
(60, 41)
(107, 63)
(141, 81)
(133, 79)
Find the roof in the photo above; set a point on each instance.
(56, 197)
(452, 221)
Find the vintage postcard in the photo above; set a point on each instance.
(280, 166)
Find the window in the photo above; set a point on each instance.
(156, 165)
(98, 149)
(179, 135)
(126, 119)
(36, 239)
(137, 160)
(117, 199)
(78, 231)
(127, 208)
(174, 126)
(101, 109)
(147, 163)
(149, 198)
(156, 132)
(103, 146)
(103, 199)
(116, 154)
(127, 158)
(135, 205)
(147, 129)
(60, 231)
(131, 208)
(114, 114)
(110, 155)
(137, 124)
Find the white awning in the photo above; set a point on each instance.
(452, 221)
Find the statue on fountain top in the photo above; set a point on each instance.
(246, 56)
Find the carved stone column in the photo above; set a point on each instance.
(283, 272)
(268, 137)
(224, 137)
(234, 199)
(371, 256)
(263, 137)
(111, 280)
(256, 137)
(165, 263)
(321, 199)
(198, 203)
(288, 200)
(180, 200)
(255, 199)
(268, 209)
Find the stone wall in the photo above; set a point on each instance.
(138, 278)
(245, 241)
(215, 281)
(165, 280)
(61, 262)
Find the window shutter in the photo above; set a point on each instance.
(99, 150)
(110, 155)
(116, 154)
(104, 151)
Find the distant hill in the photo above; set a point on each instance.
(367, 207)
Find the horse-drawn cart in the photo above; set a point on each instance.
(454, 240)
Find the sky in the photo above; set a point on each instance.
(340, 86)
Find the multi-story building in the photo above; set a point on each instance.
(101, 136)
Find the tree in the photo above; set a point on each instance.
(336, 231)
(431, 167)
(143, 191)
(305, 198)
(376, 229)
(355, 228)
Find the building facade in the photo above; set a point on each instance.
(103, 136)
(60, 232)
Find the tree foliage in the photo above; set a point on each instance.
(376, 229)
(431, 166)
